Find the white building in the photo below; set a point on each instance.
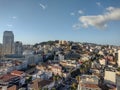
(61, 57)
(33, 59)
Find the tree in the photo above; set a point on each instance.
(53, 89)
(40, 88)
(74, 86)
(78, 78)
(45, 88)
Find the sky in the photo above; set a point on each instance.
(34, 21)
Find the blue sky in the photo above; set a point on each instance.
(33, 21)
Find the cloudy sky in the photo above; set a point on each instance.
(33, 21)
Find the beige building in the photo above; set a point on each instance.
(110, 76)
(88, 82)
(56, 69)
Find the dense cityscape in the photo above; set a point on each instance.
(58, 65)
(59, 44)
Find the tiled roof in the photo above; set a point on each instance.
(17, 73)
(14, 87)
(90, 85)
(44, 83)
(7, 77)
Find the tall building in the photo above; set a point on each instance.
(118, 58)
(0, 49)
(8, 43)
(18, 48)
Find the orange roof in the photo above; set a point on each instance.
(7, 77)
(14, 87)
(90, 85)
(17, 73)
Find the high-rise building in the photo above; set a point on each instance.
(118, 58)
(8, 43)
(0, 49)
(18, 48)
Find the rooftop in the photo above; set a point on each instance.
(17, 73)
(7, 77)
(90, 85)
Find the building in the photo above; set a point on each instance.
(39, 84)
(118, 81)
(56, 69)
(0, 49)
(14, 87)
(63, 42)
(118, 58)
(21, 75)
(61, 57)
(110, 75)
(88, 82)
(9, 80)
(18, 48)
(8, 43)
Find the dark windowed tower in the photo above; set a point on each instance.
(18, 48)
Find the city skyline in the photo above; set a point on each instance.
(77, 20)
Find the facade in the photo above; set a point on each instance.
(18, 48)
(0, 49)
(118, 58)
(88, 82)
(33, 59)
(118, 82)
(56, 69)
(8, 43)
(110, 76)
(61, 57)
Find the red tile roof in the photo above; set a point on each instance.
(7, 77)
(17, 73)
(90, 85)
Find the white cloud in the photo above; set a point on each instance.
(110, 8)
(43, 6)
(100, 21)
(13, 17)
(80, 12)
(98, 3)
(76, 26)
(72, 14)
(9, 25)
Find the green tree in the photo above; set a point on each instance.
(78, 78)
(74, 86)
(53, 89)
